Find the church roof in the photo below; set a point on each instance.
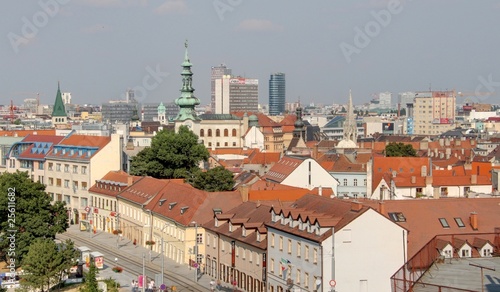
(59, 110)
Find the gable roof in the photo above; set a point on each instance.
(39, 146)
(326, 212)
(283, 168)
(422, 217)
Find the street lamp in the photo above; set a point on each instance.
(195, 250)
(150, 231)
(162, 255)
(117, 227)
(143, 272)
(116, 281)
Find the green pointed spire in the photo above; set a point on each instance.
(187, 101)
(58, 110)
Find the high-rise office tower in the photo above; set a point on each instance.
(236, 94)
(217, 73)
(277, 94)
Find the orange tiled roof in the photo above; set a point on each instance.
(24, 133)
(283, 168)
(422, 217)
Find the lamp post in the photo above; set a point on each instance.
(150, 231)
(117, 227)
(116, 281)
(143, 272)
(162, 256)
(195, 250)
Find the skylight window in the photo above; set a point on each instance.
(397, 217)
(459, 222)
(444, 223)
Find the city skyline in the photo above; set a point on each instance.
(325, 49)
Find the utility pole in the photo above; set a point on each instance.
(196, 251)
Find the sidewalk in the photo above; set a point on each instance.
(130, 251)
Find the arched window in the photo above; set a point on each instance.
(217, 133)
(209, 132)
(226, 132)
(202, 133)
(234, 133)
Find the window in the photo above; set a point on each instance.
(234, 144)
(281, 242)
(345, 181)
(84, 169)
(217, 133)
(315, 256)
(51, 166)
(289, 246)
(306, 253)
(75, 169)
(66, 168)
(226, 132)
(397, 217)
(272, 239)
(299, 249)
(199, 238)
(459, 222)
(209, 132)
(234, 133)
(364, 182)
(444, 223)
(84, 185)
(66, 183)
(51, 181)
(83, 202)
(67, 199)
(355, 182)
(40, 165)
(58, 182)
(58, 167)
(297, 278)
(306, 280)
(271, 266)
(202, 132)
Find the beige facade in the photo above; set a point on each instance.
(434, 112)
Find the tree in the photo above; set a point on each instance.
(399, 150)
(171, 155)
(46, 263)
(214, 180)
(26, 213)
(91, 279)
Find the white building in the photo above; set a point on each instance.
(319, 243)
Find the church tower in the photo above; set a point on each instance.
(187, 101)
(350, 128)
(162, 118)
(59, 117)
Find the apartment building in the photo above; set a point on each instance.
(74, 164)
(235, 246)
(434, 112)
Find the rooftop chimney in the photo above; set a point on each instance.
(381, 207)
(473, 179)
(413, 179)
(130, 180)
(473, 220)
(320, 191)
(356, 206)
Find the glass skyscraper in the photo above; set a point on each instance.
(277, 94)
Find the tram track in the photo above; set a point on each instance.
(133, 265)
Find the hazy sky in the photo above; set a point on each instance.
(99, 48)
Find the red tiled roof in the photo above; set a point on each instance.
(85, 140)
(283, 168)
(422, 217)
(405, 167)
(29, 152)
(113, 183)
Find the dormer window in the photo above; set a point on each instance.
(243, 231)
(258, 237)
(216, 222)
(230, 227)
(162, 201)
(184, 209)
(172, 205)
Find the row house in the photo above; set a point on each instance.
(236, 244)
(415, 177)
(168, 215)
(320, 243)
(104, 204)
(74, 164)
